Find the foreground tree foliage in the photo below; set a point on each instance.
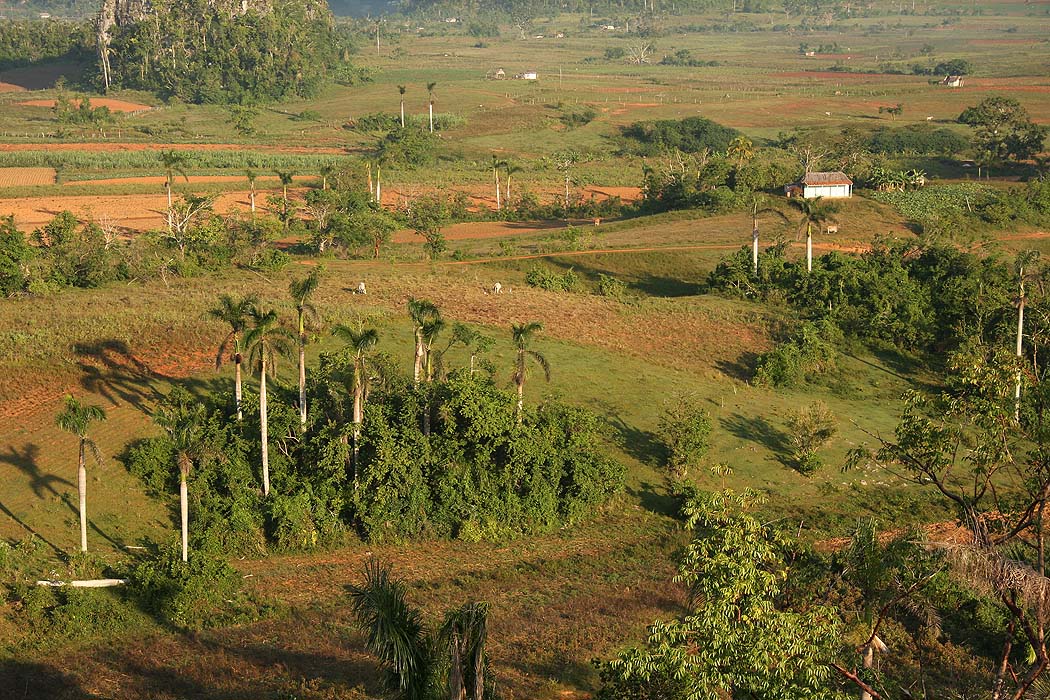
(733, 640)
(447, 663)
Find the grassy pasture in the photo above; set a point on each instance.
(558, 600)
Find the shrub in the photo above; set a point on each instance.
(609, 286)
(551, 281)
(809, 353)
(689, 135)
(810, 428)
(203, 592)
(685, 430)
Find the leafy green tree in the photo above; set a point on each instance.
(734, 640)
(1003, 129)
(306, 317)
(685, 430)
(235, 313)
(76, 418)
(15, 256)
(522, 335)
(265, 343)
(375, 225)
(966, 445)
(360, 342)
(810, 428)
(183, 419)
(815, 212)
(427, 217)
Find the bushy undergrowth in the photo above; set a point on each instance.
(444, 459)
(551, 281)
(811, 351)
(946, 210)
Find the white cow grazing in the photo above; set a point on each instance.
(497, 288)
(361, 288)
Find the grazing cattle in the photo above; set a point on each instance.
(832, 228)
(597, 221)
(361, 288)
(497, 288)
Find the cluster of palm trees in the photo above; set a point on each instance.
(430, 102)
(257, 337)
(815, 212)
(510, 169)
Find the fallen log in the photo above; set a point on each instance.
(92, 583)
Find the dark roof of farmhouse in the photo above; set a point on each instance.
(835, 178)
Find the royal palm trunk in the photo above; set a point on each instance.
(302, 373)
(82, 492)
(263, 431)
(809, 248)
(184, 510)
(237, 386)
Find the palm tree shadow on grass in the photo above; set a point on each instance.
(110, 369)
(24, 679)
(25, 460)
(757, 429)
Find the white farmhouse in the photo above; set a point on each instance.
(836, 185)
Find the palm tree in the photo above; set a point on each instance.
(235, 313)
(414, 656)
(174, 164)
(326, 172)
(1025, 259)
(496, 165)
(184, 421)
(430, 331)
(305, 316)
(76, 418)
(757, 209)
(286, 177)
(742, 149)
(522, 334)
(251, 175)
(430, 92)
(360, 341)
(395, 631)
(511, 170)
(265, 342)
(402, 89)
(421, 312)
(469, 338)
(815, 212)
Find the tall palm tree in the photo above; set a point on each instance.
(511, 171)
(466, 336)
(265, 342)
(326, 172)
(402, 89)
(430, 92)
(360, 341)
(741, 149)
(1025, 259)
(76, 418)
(286, 177)
(174, 164)
(421, 312)
(305, 317)
(251, 175)
(430, 331)
(522, 334)
(815, 212)
(496, 165)
(184, 422)
(235, 313)
(464, 634)
(758, 208)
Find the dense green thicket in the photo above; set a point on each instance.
(444, 459)
(949, 211)
(917, 139)
(196, 52)
(922, 298)
(689, 135)
(24, 42)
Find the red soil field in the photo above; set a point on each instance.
(114, 105)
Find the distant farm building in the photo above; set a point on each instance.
(953, 81)
(836, 185)
(528, 75)
(498, 74)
